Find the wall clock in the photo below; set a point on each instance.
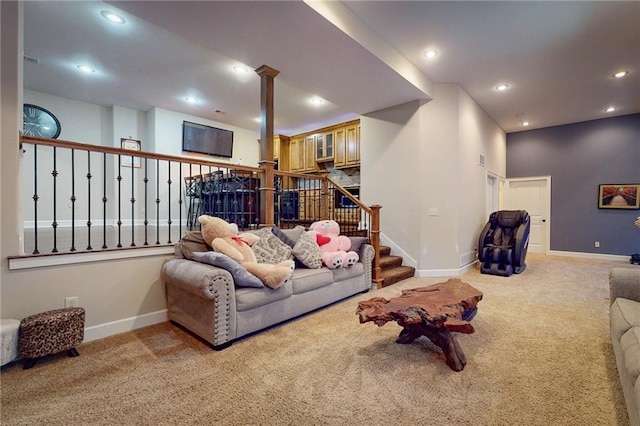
(37, 121)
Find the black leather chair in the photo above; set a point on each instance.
(503, 243)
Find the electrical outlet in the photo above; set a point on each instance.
(71, 302)
(597, 244)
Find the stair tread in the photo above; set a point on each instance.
(399, 273)
(390, 261)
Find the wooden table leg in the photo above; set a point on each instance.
(443, 338)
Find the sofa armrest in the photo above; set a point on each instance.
(201, 297)
(367, 254)
(199, 279)
(624, 283)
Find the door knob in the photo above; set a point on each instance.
(544, 220)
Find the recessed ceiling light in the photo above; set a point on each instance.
(316, 101)
(86, 69)
(620, 74)
(525, 123)
(112, 17)
(191, 100)
(610, 109)
(502, 87)
(430, 54)
(240, 69)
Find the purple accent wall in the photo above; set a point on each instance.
(579, 157)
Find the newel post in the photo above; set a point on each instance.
(266, 163)
(375, 242)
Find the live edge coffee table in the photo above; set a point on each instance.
(434, 311)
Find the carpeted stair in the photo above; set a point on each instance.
(392, 269)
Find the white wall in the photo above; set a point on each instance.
(168, 138)
(478, 135)
(390, 173)
(159, 130)
(421, 157)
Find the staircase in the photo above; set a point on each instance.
(392, 269)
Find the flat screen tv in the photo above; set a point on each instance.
(206, 139)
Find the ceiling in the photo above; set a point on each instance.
(557, 57)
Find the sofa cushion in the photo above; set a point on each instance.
(357, 243)
(250, 298)
(270, 249)
(241, 277)
(192, 242)
(309, 279)
(308, 252)
(342, 274)
(283, 236)
(623, 315)
(630, 347)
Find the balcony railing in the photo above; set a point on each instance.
(85, 198)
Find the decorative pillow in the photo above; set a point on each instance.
(192, 242)
(283, 237)
(241, 277)
(308, 252)
(270, 249)
(357, 243)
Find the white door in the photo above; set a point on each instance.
(492, 202)
(534, 196)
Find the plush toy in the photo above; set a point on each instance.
(334, 246)
(223, 237)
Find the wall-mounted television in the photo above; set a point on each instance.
(206, 139)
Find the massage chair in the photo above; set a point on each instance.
(503, 243)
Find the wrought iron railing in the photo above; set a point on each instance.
(82, 198)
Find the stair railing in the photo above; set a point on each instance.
(81, 197)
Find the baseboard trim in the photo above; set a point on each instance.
(445, 272)
(584, 255)
(127, 324)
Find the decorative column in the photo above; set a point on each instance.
(266, 163)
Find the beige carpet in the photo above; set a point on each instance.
(541, 355)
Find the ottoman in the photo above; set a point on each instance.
(9, 343)
(50, 332)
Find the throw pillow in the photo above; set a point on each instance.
(270, 249)
(241, 277)
(308, 252)
(357, 243)
(192, 242)
(283, 237)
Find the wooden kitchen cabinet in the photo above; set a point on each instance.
(311, 205)
(296, 154)
(324, 146)
(352, 136)
(310, 154)
(347, 146)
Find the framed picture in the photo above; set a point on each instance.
(619, 196)
(131, 145)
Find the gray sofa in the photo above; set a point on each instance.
(205, 300)
(624, 316)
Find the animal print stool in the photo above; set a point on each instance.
(50, 332)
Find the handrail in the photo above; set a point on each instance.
(374, 212)
(128, 153)
(355, 200)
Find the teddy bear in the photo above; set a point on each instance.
(334, 246)
(223, 237)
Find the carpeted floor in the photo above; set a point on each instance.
(541, 355)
